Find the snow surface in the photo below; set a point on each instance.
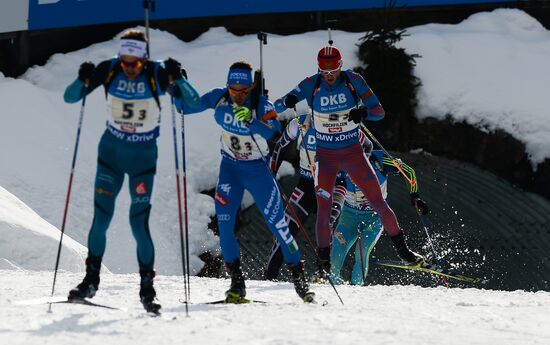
(372, 315)
(488, 70)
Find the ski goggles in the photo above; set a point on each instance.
(234, 92)
(331, 72)
(134, 64)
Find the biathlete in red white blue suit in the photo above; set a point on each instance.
(245, 131)
(340, 100)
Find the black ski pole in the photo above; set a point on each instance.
(178, 190)
(186, 212)
(69, 188)
(148, 4)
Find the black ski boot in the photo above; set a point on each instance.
(237, 291)
(410, 257)
(300, 284)
(323, 269)
(147, 292)
(90, 283)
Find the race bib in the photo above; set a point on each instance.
(133, 116)
(332, 123)
(242, 147)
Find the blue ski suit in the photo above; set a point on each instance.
(359, 221)
(243, 167)
(128, 146)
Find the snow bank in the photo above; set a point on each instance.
(491, 71)
(28, 242)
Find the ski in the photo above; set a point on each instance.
(428, 268)
(233, 301)
(64, 300)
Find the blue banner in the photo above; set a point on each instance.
(48, 14)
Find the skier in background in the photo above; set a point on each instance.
(340, 100)
(133, 85)
(303, 201)
(247, 120)
(359, 219)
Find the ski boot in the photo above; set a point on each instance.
(237, 291)
(300, 284)
(323, 269)
(147, 292)
(90, 283)
(410, 257)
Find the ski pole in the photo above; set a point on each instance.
(394, 161)
(68, 197)
(301, 129)
(262, 37)
(360, 244)
(329, 22)
(184, 177)
(178, 189)
(148, 4)
(294, 214)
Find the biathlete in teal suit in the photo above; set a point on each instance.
(133, 85)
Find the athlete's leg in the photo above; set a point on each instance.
(327, 167)
(371, 229)
(260, 183)
(229, 194)
(360, 171)
(108, 181)
(142, 171)
(344, 237)
(304, 203)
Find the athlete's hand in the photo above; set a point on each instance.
(243, 114)
(290, 101)
(173, 68)
(86, 71)
(356, 115)
(419, 204)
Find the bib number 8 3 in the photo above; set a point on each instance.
(236, 144)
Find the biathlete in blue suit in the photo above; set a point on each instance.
(246, 127)
(340, 100)
(133, 85)
(359, 219)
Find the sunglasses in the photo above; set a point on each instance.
(242, 92)
(134, 64)
(331, 72)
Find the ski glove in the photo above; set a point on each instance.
(290, 101)
(173, 68)
(86, 71)
(419, 204)
(243, 114)
(356, 115)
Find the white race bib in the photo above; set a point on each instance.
(333, 123)
(133, 116)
